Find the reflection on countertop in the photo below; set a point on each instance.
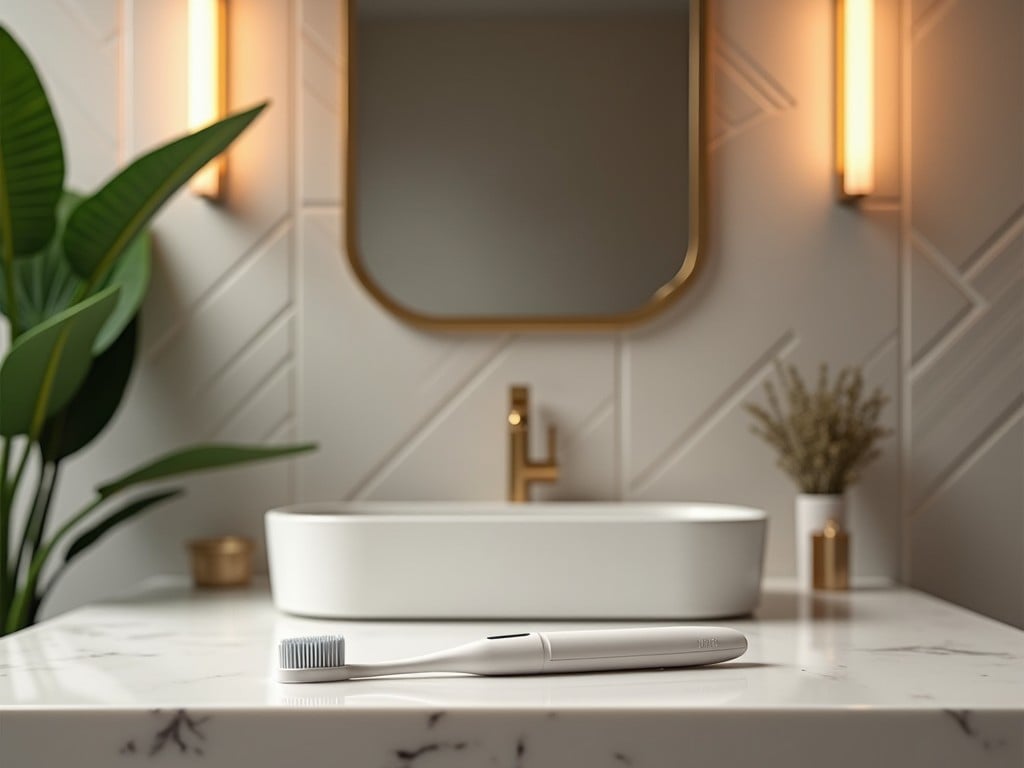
(779, 604)
(168, 645)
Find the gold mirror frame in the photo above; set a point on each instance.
(662, 298)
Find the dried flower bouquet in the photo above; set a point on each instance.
(825, 437)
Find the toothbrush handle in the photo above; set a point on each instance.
(532, 653)
(599, 649)
(588, 650)
(594, 650)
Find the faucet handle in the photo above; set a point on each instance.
(520, 395)
(520, 405)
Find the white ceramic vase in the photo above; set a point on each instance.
(813, 510)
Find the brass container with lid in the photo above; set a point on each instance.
(831, 557)
(225, 561)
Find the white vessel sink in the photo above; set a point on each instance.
(461, 560)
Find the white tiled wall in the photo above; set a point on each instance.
(256, 328)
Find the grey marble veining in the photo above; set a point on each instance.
(175, 677)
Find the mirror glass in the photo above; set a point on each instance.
(523, 162)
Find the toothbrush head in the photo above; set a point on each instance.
(309, 659)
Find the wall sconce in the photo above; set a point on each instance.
(207, 60)
(855, 97)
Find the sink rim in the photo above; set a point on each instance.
(493, 559)
(537, 512)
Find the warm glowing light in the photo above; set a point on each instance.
(206, 82)
(855, 111)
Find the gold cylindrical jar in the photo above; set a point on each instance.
(831, 556)
(225, 561)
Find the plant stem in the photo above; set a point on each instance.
(25, 597)
(19, 472)
(37, 540)
(8, 259)
(33, 524)
(40, 529)
(10, 491)
(5, 515)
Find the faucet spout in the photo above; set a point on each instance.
(522, 471)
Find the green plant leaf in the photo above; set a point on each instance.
(43, 282)
(46, 365)
(104, 225)
(131, 274)
(200, 457)
(123, 514)
(46, 285)
(97, 400)
(31, 158)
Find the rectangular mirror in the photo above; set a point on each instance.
(524, 163)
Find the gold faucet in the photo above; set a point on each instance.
(522, 471)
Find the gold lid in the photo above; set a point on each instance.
(831, 554)
(225, 561)
(223, 545)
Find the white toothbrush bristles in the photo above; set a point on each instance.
(315, 652)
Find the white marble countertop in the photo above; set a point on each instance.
(918, 673)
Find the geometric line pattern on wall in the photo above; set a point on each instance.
(978, 304)
(313, 45)
(97, 17)
(978, 383)
(1003, 273)
(419, 431)
(320, 25)
(875, 356)
(971, 455)
(97, 21)
(229, 344)
(72, 97)
(256, 388)
(929, 17)
(600, 478)
(744, 94)
(972, 364)
(995, 244)
(731, 398)
(283, 431)
(278, 376)
(216, 289)
(593, 420)
(77, 64)
(240, 362)
(322, 70)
